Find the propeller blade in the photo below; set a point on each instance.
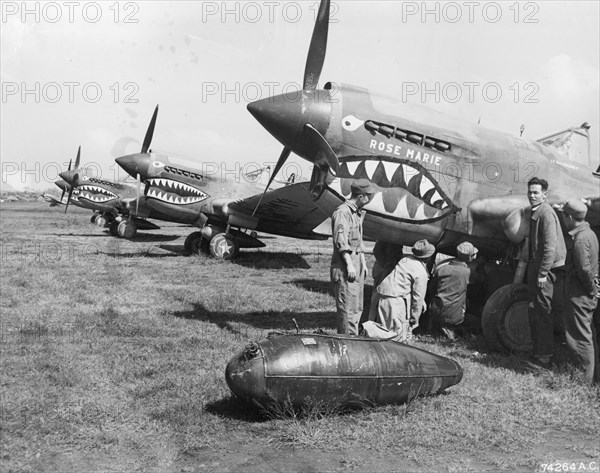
(68, 199)
(323, 152)
(70, 162)
(150, 132)
(138, 189)
(63, 194)
(318, 47)
(77, 159)
(280, 162)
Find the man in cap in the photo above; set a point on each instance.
(581, 291)
(449, 283)
(400, 297)
(546, 253)
(348, 266)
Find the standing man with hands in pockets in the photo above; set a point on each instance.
(348, 267)
(546, 252)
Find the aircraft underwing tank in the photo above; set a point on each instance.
(351, 370)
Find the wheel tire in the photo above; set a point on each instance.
(101, 221)
(223, 247)
(93, 219)
(504, 321)
(195, 244)
(127, 229)
(113, 228)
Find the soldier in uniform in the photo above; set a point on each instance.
(581, 291)
(348, 266)
(449, 302)
(386, 256)
(400, 297)
(546, 252)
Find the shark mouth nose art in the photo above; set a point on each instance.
(174, 192)
(405, 190)
(95, 194)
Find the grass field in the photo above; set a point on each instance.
(113, 355)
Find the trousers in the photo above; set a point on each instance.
(580, 332)
(539, 310)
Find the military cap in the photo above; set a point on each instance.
(362, 186)
(423, 249)
(466, 249)
(575, 208)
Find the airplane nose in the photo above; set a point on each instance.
(135, 164)
(68, 177)
(62, 184)
(285, 115)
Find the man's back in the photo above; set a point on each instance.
(450, 281)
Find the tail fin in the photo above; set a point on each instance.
(573, 143)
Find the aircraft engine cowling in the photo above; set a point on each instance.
(516, 224)
(509, 213)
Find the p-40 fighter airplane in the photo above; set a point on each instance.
(55, 202)
(116, 205)
(218, 203)
(436, 177)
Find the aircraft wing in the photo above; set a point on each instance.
(287, 211)
(53, 201)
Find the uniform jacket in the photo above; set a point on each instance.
(408, 280)
(346, 231)
(546, 242)
(451, 278)
(582, 261)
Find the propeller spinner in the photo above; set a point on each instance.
(299, 121)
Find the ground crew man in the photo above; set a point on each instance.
(348, 267)
(400, 297)
(386, 256)
(581, 291)
(449, 283)
(546, 252)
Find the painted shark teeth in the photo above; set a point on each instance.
(95, 193)
(174, 192)
(407, 192)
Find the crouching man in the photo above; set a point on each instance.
(400, 297)
(449, 283)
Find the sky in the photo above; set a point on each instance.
(89, 74)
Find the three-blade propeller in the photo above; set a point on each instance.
(312, 73)
(75, 182)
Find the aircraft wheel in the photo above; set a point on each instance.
(195, 244)
(224, 247)
(93, 219)
(504, 321)
(101, 221)
(127, 229)
(113, 228)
